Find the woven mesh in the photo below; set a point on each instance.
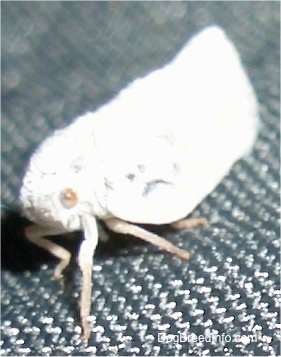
(60, 59)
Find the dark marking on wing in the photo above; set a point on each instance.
(76, 168)
(152, 185)
(176, 168)
(141, 168)
(77, 164)
(131, 176)
(108, 184)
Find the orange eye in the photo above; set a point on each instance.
(68, 198)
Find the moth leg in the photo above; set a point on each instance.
(85, 260)
(189, 223)
(119, 226)
(103, 236)
(35, 235)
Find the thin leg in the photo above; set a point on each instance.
(189, 223)
(35, 235)
(119, 226)
(103, 236)
(85, 259)
(85, 306)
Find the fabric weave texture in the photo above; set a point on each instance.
(61, 59)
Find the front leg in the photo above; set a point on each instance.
(119, 226)
(85, 259)
(35, 235)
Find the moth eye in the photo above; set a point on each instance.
(68, 198)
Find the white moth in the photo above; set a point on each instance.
(150, 155)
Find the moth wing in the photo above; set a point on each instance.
(169, 138)
(159, 207)
(148, 188)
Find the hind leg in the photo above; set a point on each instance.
(189, 223)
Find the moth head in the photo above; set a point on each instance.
(59, 185)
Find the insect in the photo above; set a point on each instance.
(150, 155)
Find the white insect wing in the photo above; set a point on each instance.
(169, 138)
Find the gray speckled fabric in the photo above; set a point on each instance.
(60, 59)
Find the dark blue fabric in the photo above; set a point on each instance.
(60, 59)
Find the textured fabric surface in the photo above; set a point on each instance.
(60, 59)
